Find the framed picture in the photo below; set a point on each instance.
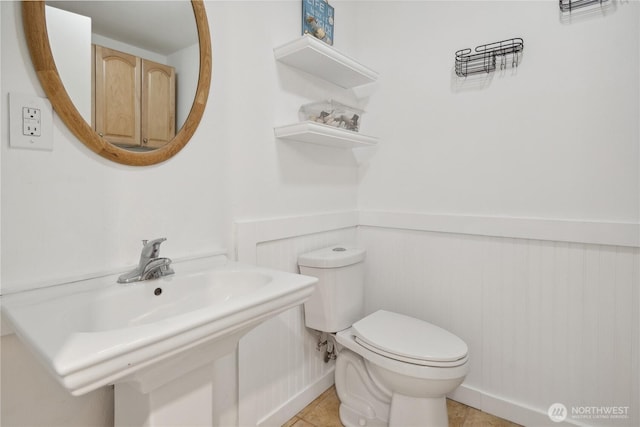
(317, 19)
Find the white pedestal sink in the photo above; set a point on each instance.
(155, 340)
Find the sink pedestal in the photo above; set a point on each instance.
(181, 390)
(186, 401)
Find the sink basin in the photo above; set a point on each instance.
(98, 332)
(116, 308)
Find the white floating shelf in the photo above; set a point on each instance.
(318, 58)
(316, 133)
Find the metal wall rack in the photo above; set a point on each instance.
(569, 5)
(485, 57)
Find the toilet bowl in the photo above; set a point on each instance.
(411, 365)
(391, 370)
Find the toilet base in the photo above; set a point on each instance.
(365, 402)
(351, 418)
(418, 412)
(405, 412)
(362, 403)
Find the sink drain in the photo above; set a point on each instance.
(158, 291)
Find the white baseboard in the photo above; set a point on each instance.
(498, 406)
(296, 403)
(504, 408)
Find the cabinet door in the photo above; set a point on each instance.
(117, 96)
(158, 104)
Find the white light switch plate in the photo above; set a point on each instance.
(31, 122)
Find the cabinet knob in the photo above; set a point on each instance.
(145, 141)
(100, 134)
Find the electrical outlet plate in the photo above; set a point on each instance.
(31, 122)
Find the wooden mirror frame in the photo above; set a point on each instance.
(35, 29)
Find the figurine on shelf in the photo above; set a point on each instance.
(332, 113)
(350, 123)
(343, 121)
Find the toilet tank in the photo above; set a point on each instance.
(338, 299)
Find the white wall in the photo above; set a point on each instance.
(1, 127)
(70, 40)
(69, 213)
(186, 62)
(547, 151)
(77, 214)
(556, 138)
(274, 178)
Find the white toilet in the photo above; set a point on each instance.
(392, 370)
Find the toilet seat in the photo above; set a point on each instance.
(409, 340)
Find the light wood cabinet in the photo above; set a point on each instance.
(117, 96)
(134, 99)
(158, 111)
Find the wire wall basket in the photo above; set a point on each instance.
(485, 57)
(569, 5)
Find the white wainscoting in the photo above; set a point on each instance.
(280, 371)
(546, 320)
(557, 230)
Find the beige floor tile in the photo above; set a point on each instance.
(299, 423)
(291, 422)
(324, 412)
(311, 406)
(476, 418)
(457, 413)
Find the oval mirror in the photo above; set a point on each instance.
(141, 128)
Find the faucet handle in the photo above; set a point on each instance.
(157, 241)
(151, 248)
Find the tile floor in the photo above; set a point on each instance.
(323, 412)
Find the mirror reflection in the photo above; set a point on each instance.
(130, 67)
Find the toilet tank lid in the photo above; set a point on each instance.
(332, 257)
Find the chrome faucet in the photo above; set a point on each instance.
(151, 266)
